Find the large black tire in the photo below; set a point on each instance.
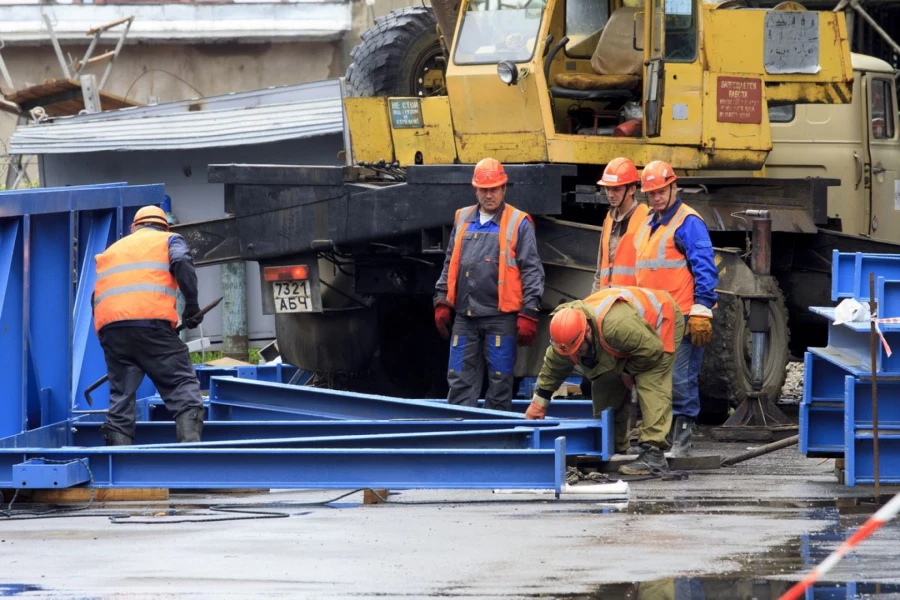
(725, 373)
(400, 56)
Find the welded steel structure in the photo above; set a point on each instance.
(837, 412)
(261, 431)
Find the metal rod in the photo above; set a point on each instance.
(118, 49)
(767, 449)
(757, 360)
(87, 55)
(5, 72)
(873, 342)
(59, 53)
(874, 24)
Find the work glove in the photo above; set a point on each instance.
(537, 410)
(700, 325)
(189, 316)
(442, 320)
(527, 329)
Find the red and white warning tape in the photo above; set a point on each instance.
(884, 515)
(884, 344)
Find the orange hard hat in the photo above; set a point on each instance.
(619, 171)
(657, 175)
(149, 215)
(567, 330)
(489, 173)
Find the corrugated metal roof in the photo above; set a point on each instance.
(235, 120)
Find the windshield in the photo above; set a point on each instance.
(493, 31)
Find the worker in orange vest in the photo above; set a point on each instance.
(135, 318)
(493, 279)
(616, 334)
(617, 255)
(675, 254)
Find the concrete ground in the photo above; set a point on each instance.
(743, 532)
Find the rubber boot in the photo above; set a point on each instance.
(188, 425)
(114, 438)
(649, 459)
(680, 436)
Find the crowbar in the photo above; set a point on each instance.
(105, 378)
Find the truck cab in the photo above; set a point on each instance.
(857, 143)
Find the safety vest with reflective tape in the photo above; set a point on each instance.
(621, 272)
(654, 306)
(133, 280)
(509, 280)
(660, 265)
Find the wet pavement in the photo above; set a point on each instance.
(745, 532)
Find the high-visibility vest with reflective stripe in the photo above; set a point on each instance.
(509, 280)
(133, 280)
(660, 265)
(654, 306)
(621, 271)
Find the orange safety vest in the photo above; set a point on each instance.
(621, 272)
(509, 281)
(133, 280)
(660, 265)
(654, 306)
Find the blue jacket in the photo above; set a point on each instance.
(692, 240)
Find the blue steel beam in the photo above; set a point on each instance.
(96, 233)
(87, 433)
(580, 440)
(125, 467)
(330, 404)
(13, 408)
(559, 409)
(43, 201)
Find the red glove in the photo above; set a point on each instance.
(527, 329)
(442, 320)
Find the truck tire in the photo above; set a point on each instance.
(725, 373)
(400, 56)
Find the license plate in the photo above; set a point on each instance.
(292, 296)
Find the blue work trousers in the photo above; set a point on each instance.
(685, 379)
(480, 344)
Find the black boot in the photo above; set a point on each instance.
(188, 425)
(114, 438)
(680, 436)
(650, 458)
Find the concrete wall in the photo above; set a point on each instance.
(184, 174)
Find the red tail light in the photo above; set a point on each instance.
(286, 273)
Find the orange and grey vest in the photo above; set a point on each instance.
(509, 280)
(622, 269)
(655, 307)
(133, 280)
(660, 265)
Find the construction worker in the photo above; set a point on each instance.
(614, 335)
(616, 256)
(674, 254)
(493, 279)
(135, 317)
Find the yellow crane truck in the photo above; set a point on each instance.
(554, 89)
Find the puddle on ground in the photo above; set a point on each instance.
(14, 589)
(725, 588)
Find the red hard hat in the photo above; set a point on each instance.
(489, 173)
(619, 171)
(657, 175)
(567, 330)
(149, 215)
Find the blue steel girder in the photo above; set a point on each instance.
(586, 440)
(87, 432)
(13, 359)
(331, 404)
(178, 468)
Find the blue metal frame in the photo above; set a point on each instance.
(298, 437)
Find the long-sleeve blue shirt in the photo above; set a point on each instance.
(692, 240)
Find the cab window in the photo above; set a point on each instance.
(493, 31)
(782, 114)
(681, 30)
(585, 20)
(882, 114)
